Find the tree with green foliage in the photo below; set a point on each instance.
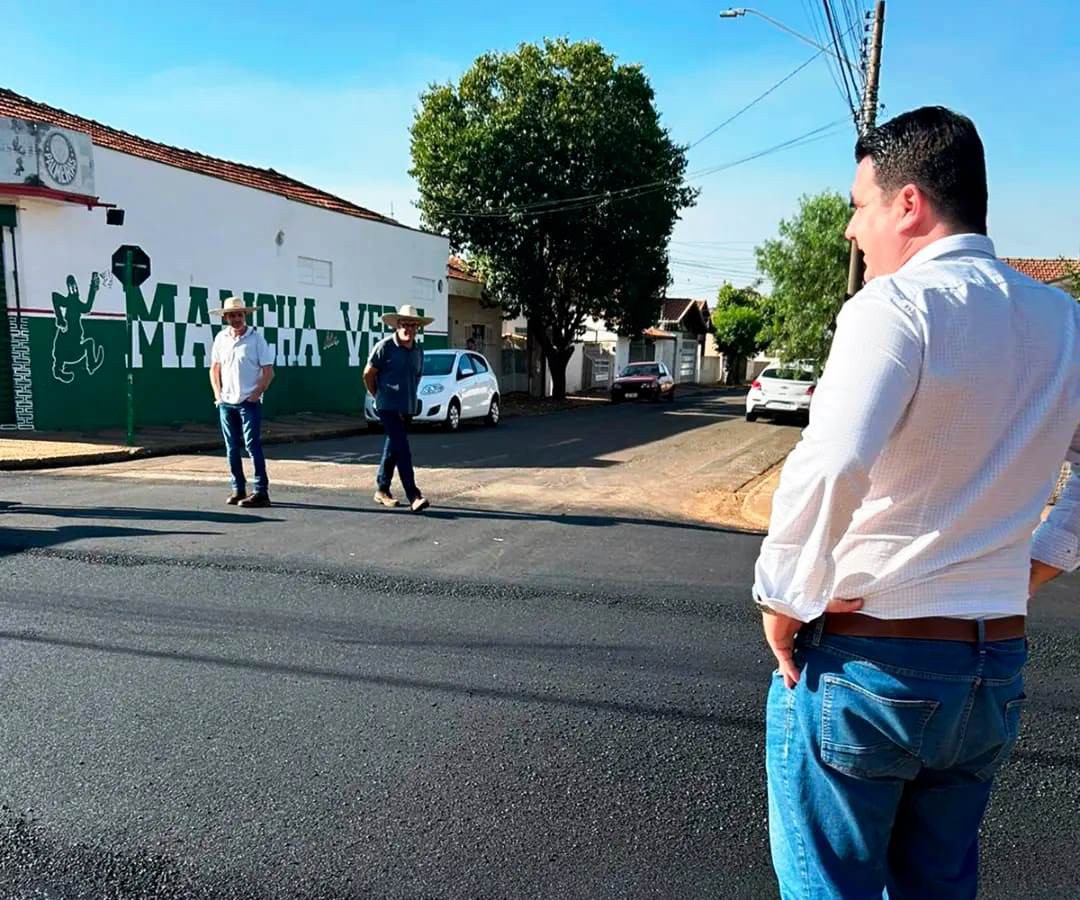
(741, 321)
(807, 266)
(550, 168)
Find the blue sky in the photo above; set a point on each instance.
(326, 94)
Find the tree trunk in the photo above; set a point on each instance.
(557, 361)
(535, 361)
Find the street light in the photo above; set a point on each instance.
(737, 11)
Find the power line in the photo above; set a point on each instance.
(756, 100)
(571, 204)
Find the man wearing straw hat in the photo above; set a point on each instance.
(392, 377)
(241, 369)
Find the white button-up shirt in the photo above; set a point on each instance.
(937, 431)
(242, 359)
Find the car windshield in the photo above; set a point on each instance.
(630, 371)
(438, 363)
(789, 374)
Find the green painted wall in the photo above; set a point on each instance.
(79, 377)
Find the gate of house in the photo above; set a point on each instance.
(596, 367)
(514, 371)
(642, 350)
(688, 354)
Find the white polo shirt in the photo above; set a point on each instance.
(241, 359)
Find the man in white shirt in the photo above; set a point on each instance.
(901, 533)
(241, 369)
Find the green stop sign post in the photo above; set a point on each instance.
(132, 266)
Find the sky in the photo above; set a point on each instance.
(326, 93)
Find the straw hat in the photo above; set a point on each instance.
(407, 313)
(234, 304)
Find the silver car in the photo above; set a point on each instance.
(781, 389)
(456, 385)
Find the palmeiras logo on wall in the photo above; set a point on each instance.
(73, 351)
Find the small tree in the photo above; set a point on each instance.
(807, 265)
(550, 166)
(740, 321)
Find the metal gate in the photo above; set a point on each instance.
(688, 353)
(596, 366)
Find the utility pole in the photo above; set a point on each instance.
(867, 120)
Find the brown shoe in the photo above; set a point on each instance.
(385, 498)
(419, 504)
(235, 497)
(256, 501)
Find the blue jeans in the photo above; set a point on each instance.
(241, 424)
(880, 763)
(396, 454)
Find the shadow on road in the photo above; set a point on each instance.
(460, 514)
(15, 540)
(752, 725)
(129, 512)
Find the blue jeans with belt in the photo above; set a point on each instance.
(880, 763)
(396, 454)
(241, 424)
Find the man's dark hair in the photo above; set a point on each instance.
(939, 152)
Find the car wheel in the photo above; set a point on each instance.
(453, 415)
(615, 398)
(493, 412)
(751, 416)
(671, 396)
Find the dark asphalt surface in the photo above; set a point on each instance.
(322, 700)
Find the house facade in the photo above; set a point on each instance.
(115, 251)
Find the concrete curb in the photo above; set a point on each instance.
(200, 445)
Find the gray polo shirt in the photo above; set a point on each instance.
(398, 379)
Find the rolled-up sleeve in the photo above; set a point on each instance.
(869, 379)
(1057, 540)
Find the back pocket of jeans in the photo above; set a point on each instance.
(870, 736)
(1010, 734)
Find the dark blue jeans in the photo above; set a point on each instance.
(880, 763)
(396, 454)
(241, 424)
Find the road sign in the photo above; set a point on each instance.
(140, 265)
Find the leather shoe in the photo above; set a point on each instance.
(235, 497)
(256, 501)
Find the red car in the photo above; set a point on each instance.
(643, 381)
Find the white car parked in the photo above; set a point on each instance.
(456, 385)
(781, 389)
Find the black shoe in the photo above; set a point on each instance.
(256, 501)
(235, 497)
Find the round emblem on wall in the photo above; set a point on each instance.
(60, 160)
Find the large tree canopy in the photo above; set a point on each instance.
(550, 168)
(808, 267)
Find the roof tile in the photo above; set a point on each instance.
(20, 107)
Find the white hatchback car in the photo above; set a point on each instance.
(781, 389)
(456, 385)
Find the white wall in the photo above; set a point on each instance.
(218, 235)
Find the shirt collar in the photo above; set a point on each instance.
(968, 244)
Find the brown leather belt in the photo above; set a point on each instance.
(937, 628)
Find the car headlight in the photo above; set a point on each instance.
(431, 389)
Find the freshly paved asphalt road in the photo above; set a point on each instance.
(327, 700)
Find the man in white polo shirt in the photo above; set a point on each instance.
(241, 369)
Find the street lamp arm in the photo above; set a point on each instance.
(737, 11)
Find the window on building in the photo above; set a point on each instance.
(318, 272)
(423, 290)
